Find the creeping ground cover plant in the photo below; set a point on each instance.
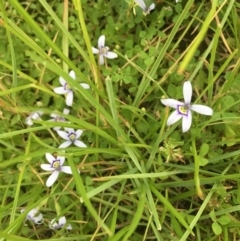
(91, 144)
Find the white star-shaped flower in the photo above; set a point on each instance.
(71, 137)
(65, 89)
(58, 118)
(103, 51)
(142, 5)
(33, 116)
(34, 216)
(59, 224)
(55, 166)
(183, 109)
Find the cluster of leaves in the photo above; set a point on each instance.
(138, 176)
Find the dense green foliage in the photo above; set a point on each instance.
(139, 178)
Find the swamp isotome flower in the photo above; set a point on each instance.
(55, 166)
(34, 216)
(71, 136)
(65, 89)
(59, 224)
(102, 51)
(183, 110)
(33, 116)
(58, 118)
(142, 5)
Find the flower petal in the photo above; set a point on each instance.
(111, 55)
(72, 74)
(47, 167)
(172, 103)
(174, 117)
(53, 115)
(61, 159)
(202, 109)
(57, 128)
(187, 121)
(35, 116)
(69, 227)
(63, 134)
(187, 92)
(62, 220)
(65, 144)
(151, 7)
(40, 113)
(85, 86)
(69, 98)
(62, 81)
(79, 144)
(66, 111)
(50, 158)
(53, 177)
(78, 133)
(66, 169)
(32, 212)
(29, 121)
(101, 59)
(69, 130)
(22, 210)
(60, 90)
(38, 219)
(53, 224)
(142, 4)
(101, 42)
(95, 51)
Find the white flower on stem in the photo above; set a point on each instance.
(55, 166)
(142, 5)
(58, 118)
(103, 51)
(34, 216)
(71, 136)
(59, 224)
(65, 89)
(183, 109)
(33, 116)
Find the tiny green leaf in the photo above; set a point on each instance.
(202, 161)
(217, 229)
(224, 220)
(204, 149)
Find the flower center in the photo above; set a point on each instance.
(103, 50)
(183, 109)
(59, 226)
(72, 136)
(146, 10)
(67, 86)
(30, 218)
(56, 165)
(60, 119)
